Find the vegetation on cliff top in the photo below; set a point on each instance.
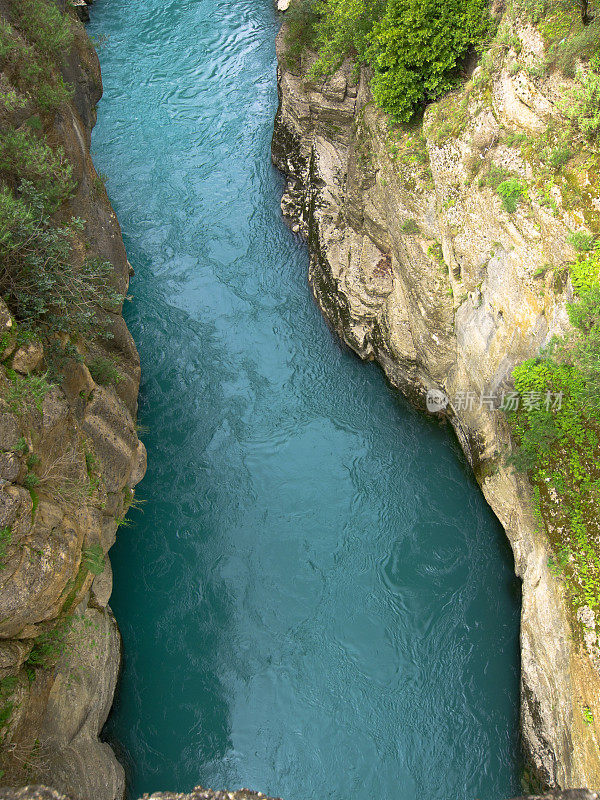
(414, 48)
(47, 287)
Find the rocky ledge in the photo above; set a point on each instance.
(416, 264)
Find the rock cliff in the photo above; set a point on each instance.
(69, 458)
(416, 264)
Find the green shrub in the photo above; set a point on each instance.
(23, 154)
(582, 42)
(413, 47)
(301, 19)
(7, 687)
(10, 101)
(37, 277)
(415, 50)
(558, 156)
(410, 227)
(558, 441)
(44, 25)
(582, 104)
(50, 645)
(33, 71)
(26, 391)
(31, 481)
(581, 241)
(495, 176)
(511, 191)
(22, 446)
(32, 460)
(5, 540)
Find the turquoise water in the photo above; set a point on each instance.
(314, 597)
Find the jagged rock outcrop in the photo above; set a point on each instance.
(69, 459)
(416, 265)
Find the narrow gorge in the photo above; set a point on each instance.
(314, 596)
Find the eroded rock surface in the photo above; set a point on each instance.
(69, 460)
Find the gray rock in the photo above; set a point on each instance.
(76, 762)
(9, 431)
(10, 466)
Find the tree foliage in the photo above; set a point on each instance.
(413, 47)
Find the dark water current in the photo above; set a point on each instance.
(314, 598)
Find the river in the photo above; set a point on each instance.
(314, 598)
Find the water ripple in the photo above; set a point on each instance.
(314, 598)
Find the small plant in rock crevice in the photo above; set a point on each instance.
(26, 391)
(511, 191)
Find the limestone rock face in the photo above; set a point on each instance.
(68, 465)
(416, 265)
(28, 358)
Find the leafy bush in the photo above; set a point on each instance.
(31, 481)
(581, 241)
(26, 391)
(44, 25)
(410, 227)
(31, 72)
(581, 43)
(582, 105)
(495, 176)
(557, 157)
(413, 47)
(511, 191)
(5, 540)
(416, 48)
(93, 559)
(301, 19)
(32, 159)
(50, 645)
(41, 285)
(104, 371)
(7, 705)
